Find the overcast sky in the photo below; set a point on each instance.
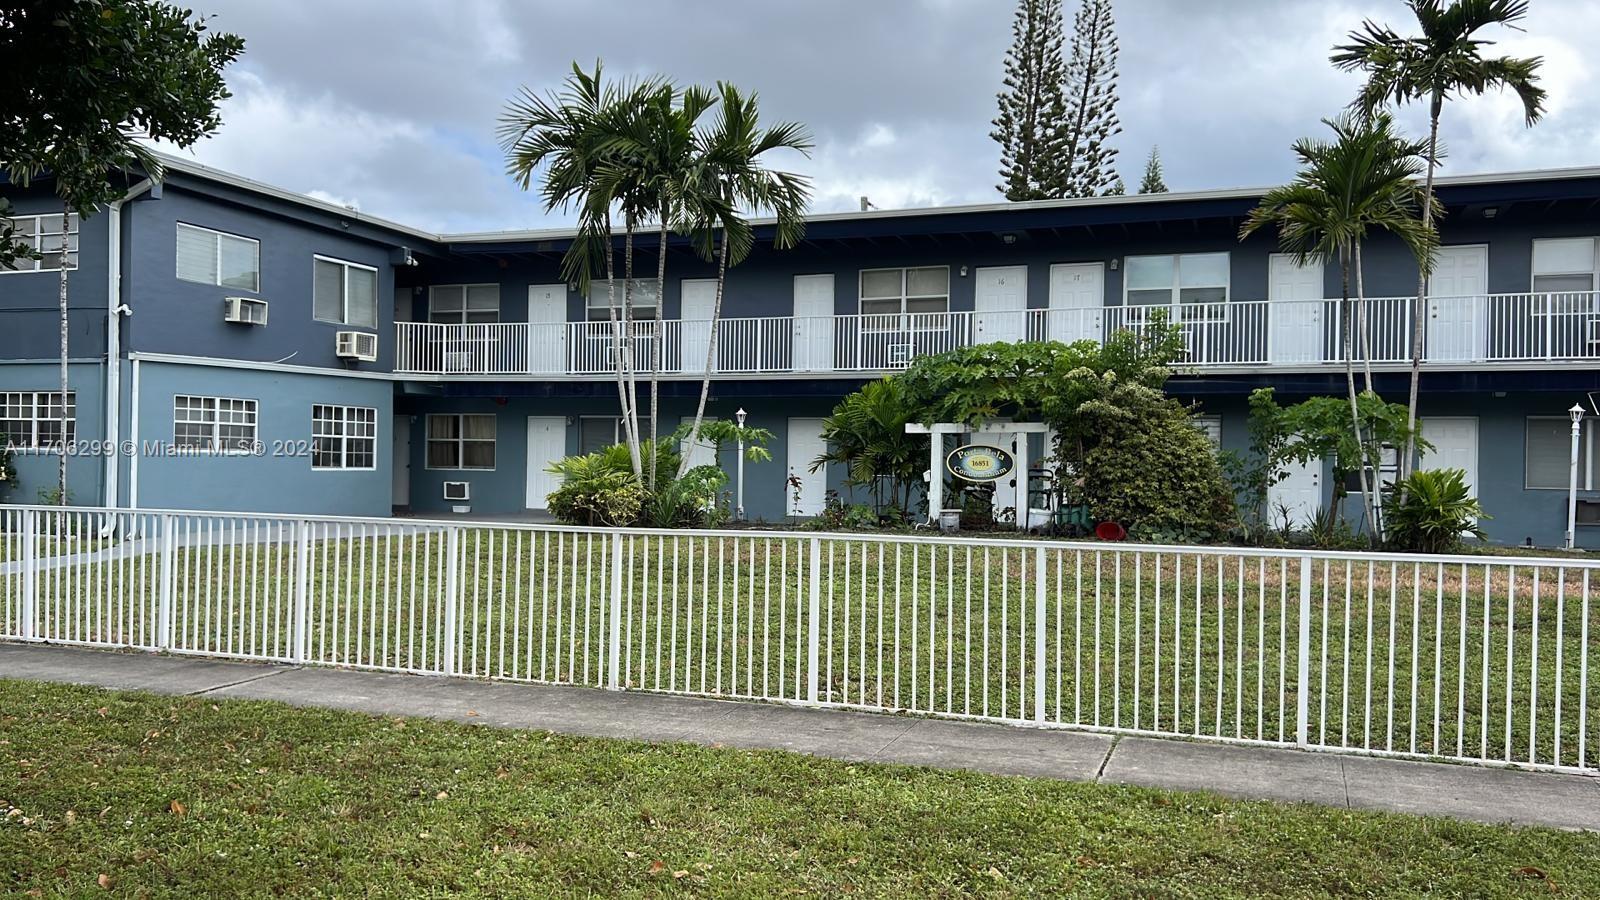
(391, 104)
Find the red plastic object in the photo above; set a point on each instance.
(1110, 531)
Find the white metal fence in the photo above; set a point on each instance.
(1472, 329)
(1484, 659)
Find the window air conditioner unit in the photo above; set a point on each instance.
(457, 491)
(358, 345)
(244, 310)
(457, 361)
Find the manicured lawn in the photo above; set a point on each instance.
(1469, 661)
(194, 797)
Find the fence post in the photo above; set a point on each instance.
(1038, 632)
(614, 638)
(167, 592)
(1302, 715)
(813, 618)
(452, 595)
(302, 592)
(30, 573)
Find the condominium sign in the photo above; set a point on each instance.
(979, 462)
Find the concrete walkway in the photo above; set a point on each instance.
(1466, 792)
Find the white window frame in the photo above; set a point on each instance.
(461, 319)
(219, 235)
(214, 447)
(597, 303)
(1174, 304)
(1586, 452)
(344, 296)
(1209, 425)
(460, 440)
(1585, 300)
(365, 418)
(15, 398)
(926, 321)
(616, 429)
(73, 225)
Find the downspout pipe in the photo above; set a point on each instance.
(114, 313)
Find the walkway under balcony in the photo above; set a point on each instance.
(1515, 330)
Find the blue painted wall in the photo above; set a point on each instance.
(37, 471)
(274, 481)
(171, 315)
(30, 301)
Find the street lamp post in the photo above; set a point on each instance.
(738, 514)
(1576, 412)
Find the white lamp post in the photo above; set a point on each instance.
(738, 513)
(1576, 412)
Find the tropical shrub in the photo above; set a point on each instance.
(1149, 469)
(688, 502)
(594, 491)
(866, 433)
(1432, 509)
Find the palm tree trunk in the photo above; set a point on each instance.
(623, 396)
(1350, 387)
(1420, 304)
(628, 352)
(1362, 322)
(711, 350)
(655, 348)
(61, 470)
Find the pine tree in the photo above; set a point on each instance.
(1032, 109)
(1117, 188)
(1091, 101)
(1153, 183)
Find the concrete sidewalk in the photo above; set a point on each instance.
(1466, 792)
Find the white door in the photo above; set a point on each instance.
(547, 330)
(1299, 493)
(1455, 446)
(1000, 305)
(547, 442)
(401, 470)
(699, 302)
(1295, 311)
(1457, 303)
(805, 445)
(813, 323)
(701, 452)
(1077, 302)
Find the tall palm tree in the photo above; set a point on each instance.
(654, 149)
(1444, 60)
(563, 136)
(728, 181)
(1363, 180)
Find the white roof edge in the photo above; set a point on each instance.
(191, 167)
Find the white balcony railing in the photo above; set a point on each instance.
(1300, 334)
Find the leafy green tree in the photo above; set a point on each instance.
(1091, 101)
(1362, 180)
(1152, 183)
(87, 84)
(729, 180)
(1032, 109)
(1445, 60)
(12, 247)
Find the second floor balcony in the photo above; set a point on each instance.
(1531, 329)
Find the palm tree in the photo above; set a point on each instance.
(727, 181)
(1444, 60)
(563, 135)
(1364, 179)
(654, 147)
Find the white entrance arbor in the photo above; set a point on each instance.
(1014, 432)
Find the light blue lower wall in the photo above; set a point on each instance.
(37, 471)
(281, 478)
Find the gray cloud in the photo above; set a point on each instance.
(391, 104)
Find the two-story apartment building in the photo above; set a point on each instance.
(215, 323)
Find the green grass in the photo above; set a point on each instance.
(909, 630)
(193, 797)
